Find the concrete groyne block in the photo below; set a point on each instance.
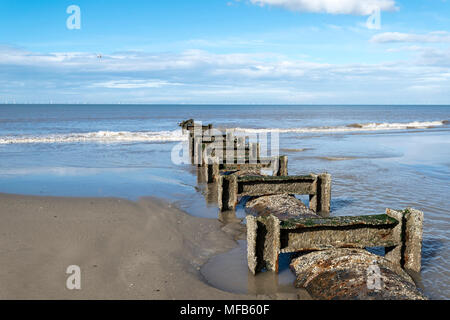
(278, 166)
(305, 234)
(268, 185)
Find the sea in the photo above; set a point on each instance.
(379, 157)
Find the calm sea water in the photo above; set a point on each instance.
(379, 157)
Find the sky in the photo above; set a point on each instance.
(225, 51)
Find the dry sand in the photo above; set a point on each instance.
(126, 250)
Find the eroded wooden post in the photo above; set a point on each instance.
(320, 201)
(412, 241)
(271, 242)
(263, 243)
(324, 190)
(227, 192)
(191, 147)
(252, 227)
(197, 152)
(408, 255)
(213, 171)
(282, 166)
(394, 254)
(314, 198)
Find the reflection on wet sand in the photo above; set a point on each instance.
(229, 272)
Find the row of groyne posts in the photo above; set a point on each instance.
(334, 245)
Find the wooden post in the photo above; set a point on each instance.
(282, 166)
(314, 198)
(252, 227)
(394, 253)
(271, 243)
(227, 192)
(325, 194)
(408, 255)
(213, 171)
(191, 147)
(412, 252)
(197, 152)
(320, 202)
(263, 243)
(232, 192)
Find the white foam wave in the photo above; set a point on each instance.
(177, 135)
(99, 137)
(356, 127)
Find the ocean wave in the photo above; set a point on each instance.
(98, 137)
(337, 158)
(354, 127)
(177, 135)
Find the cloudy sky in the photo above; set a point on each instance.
(226, 51)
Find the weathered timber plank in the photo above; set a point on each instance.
(274, 187)
(380, 220)
(336, 237)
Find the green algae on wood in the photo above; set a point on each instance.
(276, 178)
(370, 220)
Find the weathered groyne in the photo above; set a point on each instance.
(318, 187)
(332, 261)
(399, 232)
(213, 171)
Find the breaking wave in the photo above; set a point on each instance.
(354, 127)
(98, 137)
(177, 135)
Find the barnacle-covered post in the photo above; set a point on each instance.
(319, 202)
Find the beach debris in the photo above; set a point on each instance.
(352, 274)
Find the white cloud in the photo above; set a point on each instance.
(132, 84)
(356, 7)
(425, 88)
(202, 77)
(390, 37)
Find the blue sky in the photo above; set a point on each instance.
(226, 51)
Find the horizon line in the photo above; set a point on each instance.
(224, 104)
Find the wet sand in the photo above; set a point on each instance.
(126, 250)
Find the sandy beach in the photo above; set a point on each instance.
(126, 250)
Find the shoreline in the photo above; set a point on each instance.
(144, 249)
